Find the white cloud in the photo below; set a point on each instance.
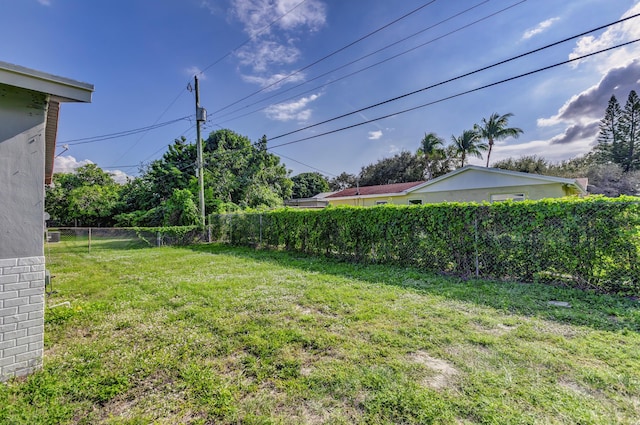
(255, 15)
(261, 54)
(616, 34)
(211, 6)
(273, 81)
(375, 135)
(584, 107)
(274, 26)
(68, 164)
(554, 153)
(194, 70)
(393, 149)
(541, 27)
(45, 2)
(292, 110)
(619, 72)
(120, 176)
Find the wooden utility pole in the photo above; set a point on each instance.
(201, 115)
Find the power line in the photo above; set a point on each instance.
(351, 74)
(119, 134)
(308, 166)
(327, 56)
(153, 126)
(454, 78)
(456, 95)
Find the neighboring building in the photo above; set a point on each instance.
(29, 105)
(317, 201)
(468, 184)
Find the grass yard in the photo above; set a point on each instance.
(218, 335)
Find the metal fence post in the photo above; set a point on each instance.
(260, 229)
(475, 228)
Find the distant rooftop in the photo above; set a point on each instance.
(375, 190)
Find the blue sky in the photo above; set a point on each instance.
(141, 54)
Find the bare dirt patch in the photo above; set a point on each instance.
(445, 372)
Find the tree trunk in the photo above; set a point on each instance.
(489, 152)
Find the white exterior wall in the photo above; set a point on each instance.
(22, 264)
(21, 315)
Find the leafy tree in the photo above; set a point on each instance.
(343, 181)
(619, 135)
(468, 144)
(630, 127)
(526, 164)
(400, 168)
(611, 180)
(496, 128)
(245, 173)
(88, 196)
(93, 205)
(608, 148)
(306, 185)
(180, 209)
(431, 150)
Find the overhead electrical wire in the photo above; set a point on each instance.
(307, 165)
(456, 95)
(125, 133)
(155, 125)
(364, 37)
(454, 78)
(578, 58)
(351, 74)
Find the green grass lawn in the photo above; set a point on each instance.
(219, 335)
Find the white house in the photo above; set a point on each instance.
(29, 105)
(468, 184)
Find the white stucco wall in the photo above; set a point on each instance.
(22, 152)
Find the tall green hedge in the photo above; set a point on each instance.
(590, 243)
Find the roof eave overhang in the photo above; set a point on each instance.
(64, 89)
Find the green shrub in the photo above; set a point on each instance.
(585, 242)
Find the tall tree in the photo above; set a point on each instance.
(526, 164)
(244, 173)
(630, 129)
(468, 144)
(400, 168)
(609, 145)
(306, 185)
(343, 181)
(496, 128)
(88, 196)
(431, 150)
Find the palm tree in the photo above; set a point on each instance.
(495, 128)
(468, 144)
(431, 147)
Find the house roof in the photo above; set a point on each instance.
(448, 180)
(65, 89)
(577, 184)
(60, 89)
(384, 189)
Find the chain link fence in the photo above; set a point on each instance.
(583, 244)
(90, 239)
(595, 246)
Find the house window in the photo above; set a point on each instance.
(507, 196)
(415, 201)
(381, 202)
